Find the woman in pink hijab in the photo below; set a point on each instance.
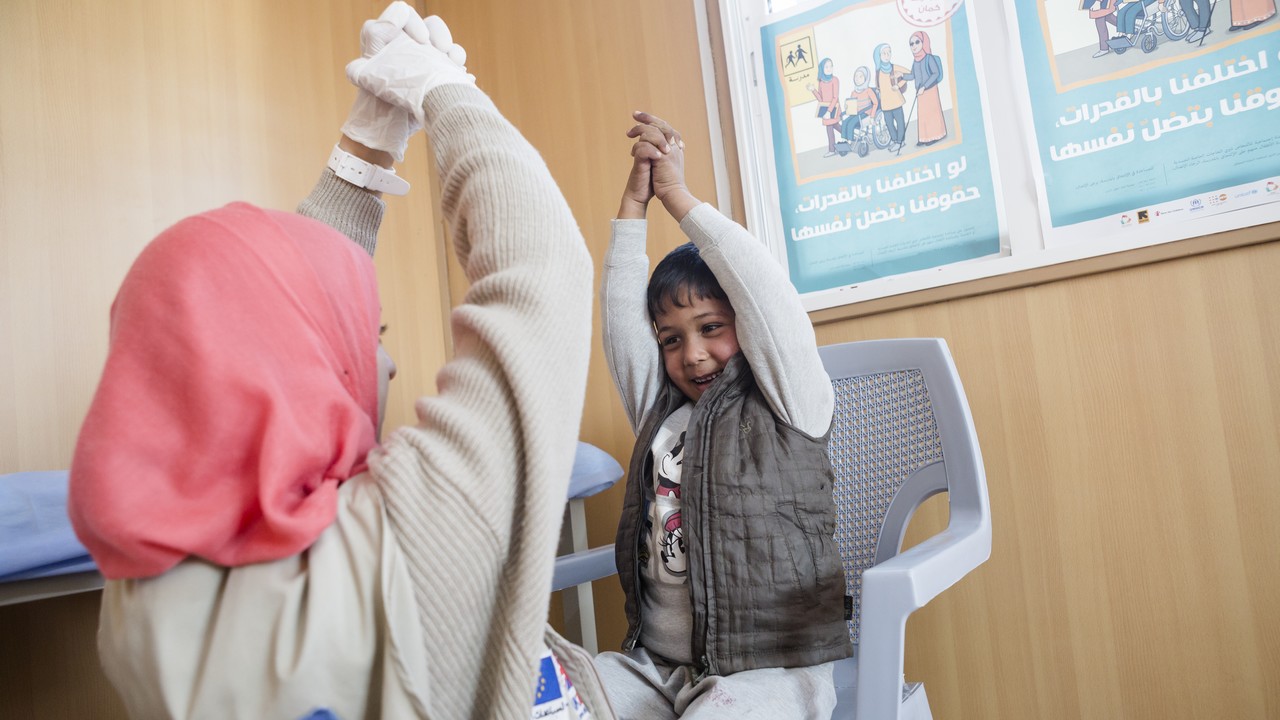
(926, 73)
(264, 556)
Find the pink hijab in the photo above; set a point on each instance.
(240, 389)
(925, 47)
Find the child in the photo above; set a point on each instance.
(265, 558)
(734, 588)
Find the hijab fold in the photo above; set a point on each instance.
(925, 47)
(240, 389)
(866, 78)
(881, 65)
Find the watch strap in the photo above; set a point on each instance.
(364, 174)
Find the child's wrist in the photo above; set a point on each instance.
(679, 201)
(632, 209)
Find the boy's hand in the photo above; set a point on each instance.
(667, 165)
(639, 190)
(667, 168)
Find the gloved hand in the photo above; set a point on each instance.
(410, 66)
(372, 122)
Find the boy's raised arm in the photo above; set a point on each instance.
(630, 346)
(773, 329)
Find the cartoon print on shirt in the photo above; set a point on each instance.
(673, 549)
(669, 470)
(672, 552)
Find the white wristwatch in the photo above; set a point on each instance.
(365, 174)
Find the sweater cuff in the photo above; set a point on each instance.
(445, 128)
(629, 240)
(704, 225)
(350, 210)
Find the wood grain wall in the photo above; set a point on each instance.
(1128, 418)
(116, 120)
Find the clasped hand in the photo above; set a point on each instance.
(657, 168)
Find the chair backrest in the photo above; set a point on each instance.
(901, 433)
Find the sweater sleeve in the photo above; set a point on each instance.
(476, 489)
(348, 209)
(630, 347)
(773, 329)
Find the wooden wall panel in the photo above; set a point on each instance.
(1128, 422)
(119, 119)
(1128, 419)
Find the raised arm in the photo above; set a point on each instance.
(375, 134)
(354, 211)
(476, 489)
(773, 329)
(630, 346)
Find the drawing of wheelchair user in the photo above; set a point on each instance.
(861, 123)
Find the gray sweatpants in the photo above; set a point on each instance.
(641, 689)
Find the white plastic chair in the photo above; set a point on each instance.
(901, 433)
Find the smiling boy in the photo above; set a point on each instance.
(734, 588)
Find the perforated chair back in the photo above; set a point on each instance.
(901, 433)
(886, 453)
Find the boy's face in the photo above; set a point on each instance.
(696, 341)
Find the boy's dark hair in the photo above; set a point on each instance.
(681, 277)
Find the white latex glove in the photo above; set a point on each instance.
(403, 72)
(372, 122)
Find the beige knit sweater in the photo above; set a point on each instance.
(429, 594)
(476, 490)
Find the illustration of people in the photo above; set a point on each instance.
(891, 81)
(828, 95)
(926, 73)
(799, 52)
(1128, 18)
(1103, 12)
(861, 105)
(1198, 13)
(1248, 14)
(791, 58)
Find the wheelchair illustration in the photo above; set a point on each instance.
(870, 131)
(1168, 20)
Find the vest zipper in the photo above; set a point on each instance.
(702, 632)
(629, 643)
(702, 672)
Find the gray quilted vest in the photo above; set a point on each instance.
(765, 577)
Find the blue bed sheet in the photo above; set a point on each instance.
(36, 539)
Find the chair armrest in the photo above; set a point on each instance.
(594, 471)
(583, 567)
(913, 578)
(893, 590)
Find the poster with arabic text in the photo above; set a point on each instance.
(881, 144)
(1151, 112)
